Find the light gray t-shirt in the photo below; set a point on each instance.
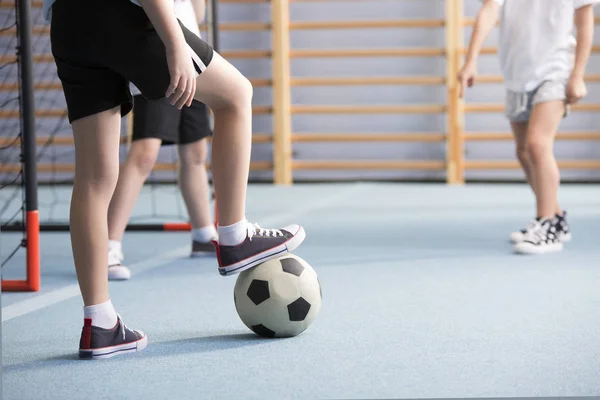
(536, 41)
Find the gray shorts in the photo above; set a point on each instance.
(519, 105)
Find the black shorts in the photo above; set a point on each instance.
(160, 119)
(99, 46)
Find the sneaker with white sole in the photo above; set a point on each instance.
(563, 229)
(116, 270)
(542, 238)
(97, 343)
(259, 246)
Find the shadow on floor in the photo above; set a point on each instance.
(175, 347)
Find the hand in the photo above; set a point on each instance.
(466, 77)
(576, 89)
(182, 88)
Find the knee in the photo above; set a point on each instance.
(99, 178)
(240, 97)
(194, 154)
(522, 153)
(143, 158)
(537, 147)
(244, 91)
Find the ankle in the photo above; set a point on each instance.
(544, 217)
(234, 234)
(205, 234)
(114, 245)
(102, 315)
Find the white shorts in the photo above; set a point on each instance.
(519, 105)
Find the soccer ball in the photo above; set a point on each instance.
(278, 298)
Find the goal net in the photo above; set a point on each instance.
(160, 206)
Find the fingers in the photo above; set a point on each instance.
(181, 90)
(176, 89)
(192, 92)
(573, 98)
(465, 80)
(172, 89)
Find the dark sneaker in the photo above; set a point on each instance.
(260, 246)
(562, 227)
(543, 238)
(202, 248)
(97, 343)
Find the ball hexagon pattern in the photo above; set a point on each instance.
(278, 298)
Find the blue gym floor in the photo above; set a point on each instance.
(422, 298)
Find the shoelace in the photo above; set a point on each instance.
(538, 233)
(531, 225)
(256, 230)
(123, 326)
(115, 258)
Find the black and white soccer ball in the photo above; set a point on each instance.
(278, 298)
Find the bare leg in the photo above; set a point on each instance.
(543, 124)
(520, 132)
(193, 181)
(229, 95)
(96, 174)
(136, 168)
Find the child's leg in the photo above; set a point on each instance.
(543, 124)
(546, 234)
(193, 181)
(194, 128)
(96, 172)
(519, 130)
(229, 95)
(134, 172)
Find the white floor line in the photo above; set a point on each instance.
(30, 305)
(56, 296)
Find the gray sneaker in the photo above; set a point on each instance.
(200, 249)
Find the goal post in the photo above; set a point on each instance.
(30, 230)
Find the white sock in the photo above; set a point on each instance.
(231, 235)
(102, 315)
(114, 245)
(204, 234)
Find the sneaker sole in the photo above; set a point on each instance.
(528, 248)
(108, 352)
(118, 273)
(286, 247)
(516, 239)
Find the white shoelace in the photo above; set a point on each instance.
(114, 258)
(255, 230)
(123, 326)
(538, 233)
